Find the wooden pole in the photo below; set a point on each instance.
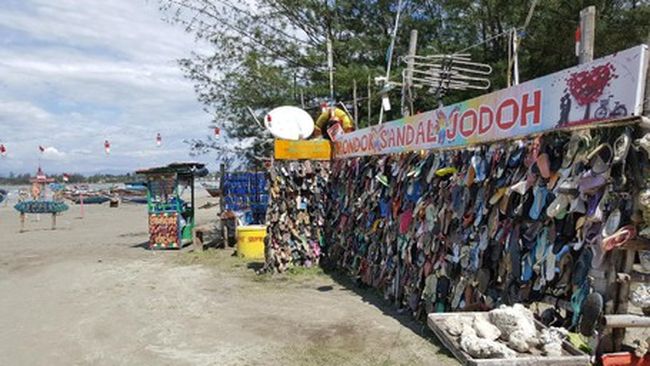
(22, 222)
(407, 89)
(81, 204)
(354, 101)
(626, 321)
(302, 98)
(53, 221)
(330, 66)
(369, 102)
(587, 34)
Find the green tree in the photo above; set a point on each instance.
(270, 54)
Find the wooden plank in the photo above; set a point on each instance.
(626, 321)
(636, 244)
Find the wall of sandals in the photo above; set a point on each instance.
(505, 223)
(296, 214)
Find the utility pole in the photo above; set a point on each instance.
(587, 34)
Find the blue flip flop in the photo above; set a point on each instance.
(540, 193)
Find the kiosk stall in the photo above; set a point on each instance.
(170, 203)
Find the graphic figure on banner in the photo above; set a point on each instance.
(565, 109)
(107, 147)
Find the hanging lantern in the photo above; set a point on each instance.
(158, 139)
(217, 132)
(107, 147)
(3, 150)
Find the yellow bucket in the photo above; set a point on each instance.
(250, 241)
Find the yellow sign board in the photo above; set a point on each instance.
(303, 150)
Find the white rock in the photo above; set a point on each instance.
(485, 329)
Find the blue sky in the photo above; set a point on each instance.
(76, 72)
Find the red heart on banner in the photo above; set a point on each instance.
(587, 86)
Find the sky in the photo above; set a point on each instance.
(74, 73)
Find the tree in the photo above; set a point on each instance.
(270, 54)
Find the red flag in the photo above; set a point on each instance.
(3, 150)
(41, 148)
(158, 139)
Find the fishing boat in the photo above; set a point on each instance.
(90, 199)
(136, 186)
(134, 199)
(213, 188)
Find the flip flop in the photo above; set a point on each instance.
(600, 159)
(543, 165)
(590, 182)
(593, 240)
(619, 238)
(577, 299)
(442, 292)
(592, 309)
(582, 267)
(612, 223)
(571, 150)
(593, 205)
(558, 207)
(540, 192)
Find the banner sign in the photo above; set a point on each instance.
(163, 230)
(606, 89)
(302, 149)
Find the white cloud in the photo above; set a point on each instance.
(52, 153)
(76, 72)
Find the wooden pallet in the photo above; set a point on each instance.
(572, 356)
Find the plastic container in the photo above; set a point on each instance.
(250, 241)
(624, 359)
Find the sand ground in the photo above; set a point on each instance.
(89, 293)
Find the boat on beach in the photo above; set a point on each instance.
(213, 188)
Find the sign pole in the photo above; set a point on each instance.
(587, 34)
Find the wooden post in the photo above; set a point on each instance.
(408, 110)
(22, 222)
(587, 34)
(354, 100)
(302, 98)
(618, 334)
(53, 221)
(222, 173)
(369, 102)
(81, 204)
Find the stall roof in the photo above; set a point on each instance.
(178, 168)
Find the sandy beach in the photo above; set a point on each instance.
(89, 293)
